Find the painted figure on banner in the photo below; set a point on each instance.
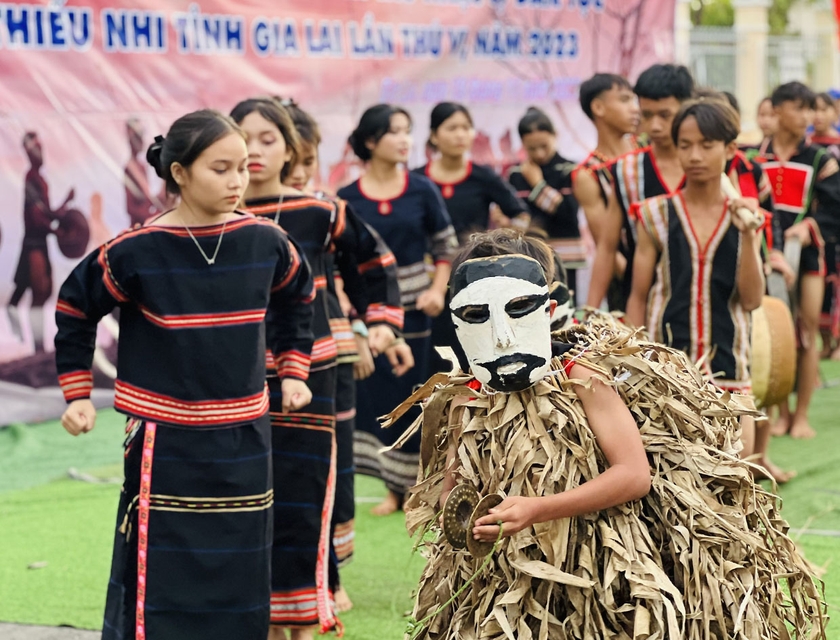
(34, 270)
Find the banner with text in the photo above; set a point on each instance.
(86, 85)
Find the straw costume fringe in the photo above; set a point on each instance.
(704, 555)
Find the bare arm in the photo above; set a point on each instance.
(627, 478)
(587, 191)
(606, 238)
(644, 265)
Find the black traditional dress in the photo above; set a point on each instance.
(194, 527)
(415, 225)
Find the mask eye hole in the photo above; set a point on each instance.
(524, 305)
(473, 313)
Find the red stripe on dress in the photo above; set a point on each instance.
(324, 349)
(204, 320)
(343, 416)
(394, 316)
(303, 203)
(68, 309)
(293, 364)
(344, 536)
(108, 277)
(126, 405)
(294, 607)
(137, 401)
(289, 205)
(340, 219)
(143, 527)
(198, 232)
(379, 261)
(291, 272)
(76, 384)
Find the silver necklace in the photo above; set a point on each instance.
(218, 244)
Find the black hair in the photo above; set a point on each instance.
(535, 120)
(662, 81)
(305, 124)
(707, 93)
(441, 113)
(503, 242)
(560, 273)
(187, 139)
(793, 92)
(733, 101)
(598, 84)
(445, 110)
(273, 111)
(825, 96)
(716, 119)
(373, 125)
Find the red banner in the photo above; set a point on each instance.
(86, 85)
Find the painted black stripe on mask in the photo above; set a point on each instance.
(512, 266)
(519, 379)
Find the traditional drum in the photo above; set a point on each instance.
(73, 234)
(773, 364)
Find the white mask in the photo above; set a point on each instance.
(501, 311)
(564, 313)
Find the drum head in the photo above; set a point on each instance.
(773, 362)
(73, 234)
(456, 514)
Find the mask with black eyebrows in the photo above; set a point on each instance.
(501, 310)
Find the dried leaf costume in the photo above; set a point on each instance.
(704, 555)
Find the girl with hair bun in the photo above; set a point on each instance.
(194, 285)
(407, 211)
(304, 442)
(545, 181)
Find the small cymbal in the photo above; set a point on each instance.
(457, 510)
(480, 548)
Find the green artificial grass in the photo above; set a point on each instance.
(69, 526)
(31, 455)
(63, 528)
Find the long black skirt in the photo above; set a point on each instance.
(380, 394)
(193, 541)
(344, 512)
(303, 449)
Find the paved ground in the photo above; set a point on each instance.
(26, 632)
